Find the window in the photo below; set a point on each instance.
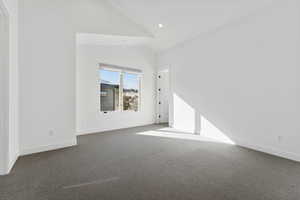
(131, 83)
(119, 89)
(109, 90)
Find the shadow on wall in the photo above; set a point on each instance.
(186, 118)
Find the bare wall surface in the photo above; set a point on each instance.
(9, 51)
(4, 88)
(244, 79)
(47, 72)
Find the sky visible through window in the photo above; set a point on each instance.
(110, 77)
(131, 81)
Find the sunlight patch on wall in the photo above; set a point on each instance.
(184, 115)
(211, 131)
(188, 120)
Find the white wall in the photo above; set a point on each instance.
(89, 119)
(244, 79)
(10, 76)
(4, 88)
(13, 84)
(47, 65)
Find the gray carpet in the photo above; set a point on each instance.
(122, 165)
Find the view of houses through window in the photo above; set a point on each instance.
(131, 84)
(119, 91)
(109, 90)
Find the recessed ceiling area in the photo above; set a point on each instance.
(183, 20)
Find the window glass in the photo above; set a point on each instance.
(109, 90)
(131, 86)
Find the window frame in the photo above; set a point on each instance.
(122, 71)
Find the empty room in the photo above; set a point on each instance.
(149, 100)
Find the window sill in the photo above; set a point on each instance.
(112, 112)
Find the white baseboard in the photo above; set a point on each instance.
(10, 165)
(268, 150)
(12, 162)
(2, 171)
(100, 130)
(50, 147)
(275, 152)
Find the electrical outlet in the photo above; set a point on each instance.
(279, 138)
(51, 133)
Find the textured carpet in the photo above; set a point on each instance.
(124, 165)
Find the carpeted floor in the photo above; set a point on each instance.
(124, 165)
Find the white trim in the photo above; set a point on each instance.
(4, 148)
(119, 68)
(269, 150)
(158, 94)
(12, 163)
(50, 147)
(101, 130)
(121, 92)
(98, 92)
(2, 173)
(110, 69)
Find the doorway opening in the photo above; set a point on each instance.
(163, 96)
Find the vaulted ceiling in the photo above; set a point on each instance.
(183, 19)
